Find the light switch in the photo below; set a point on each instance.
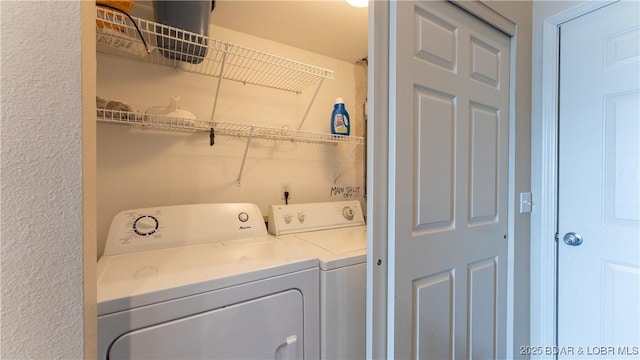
(525, 203)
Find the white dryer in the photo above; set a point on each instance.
(204, 281)
(336, 233)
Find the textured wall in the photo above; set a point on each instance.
(41, 267)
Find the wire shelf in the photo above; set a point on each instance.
(190, 52)
(221, 128)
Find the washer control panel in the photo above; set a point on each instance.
(296, 218)
(182, 225)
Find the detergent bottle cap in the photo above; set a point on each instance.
(339, 101)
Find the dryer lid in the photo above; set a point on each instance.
(141, 278)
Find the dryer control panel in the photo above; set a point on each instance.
(182, 225)
(297, 218)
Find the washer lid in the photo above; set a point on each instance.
(136, 279)
(336, 248)
(339, 241)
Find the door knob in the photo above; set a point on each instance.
(572, 239)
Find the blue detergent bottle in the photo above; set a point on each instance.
(340, 124)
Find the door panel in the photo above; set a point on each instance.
(621, 116)
(482, 302)
(599, 182)
(449, 168)
(433, 315)
(483, 169)
(434, 147)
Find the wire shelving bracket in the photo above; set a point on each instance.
(222, 128)
(339, 172)
(244, 157)
(118, 36)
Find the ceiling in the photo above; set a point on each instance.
(329, 27)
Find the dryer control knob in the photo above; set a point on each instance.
(145, 225)
(243, 216)
(301, 217)
(287, 218)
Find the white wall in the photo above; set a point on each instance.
(520, 13)
(47, 289)
(542, 248)
(141, 168)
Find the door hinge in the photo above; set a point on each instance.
(556, 237)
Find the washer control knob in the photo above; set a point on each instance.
(301, 217)
(287, 218)
(243, 216)
(145, 225)
(347, 212)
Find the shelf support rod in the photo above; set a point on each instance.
(215, 99)
(353, 151)
(244, 157)
(310, 104)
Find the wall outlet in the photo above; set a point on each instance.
(285, 187)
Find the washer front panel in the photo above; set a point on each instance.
(343, 305)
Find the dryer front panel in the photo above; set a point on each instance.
(269, 327)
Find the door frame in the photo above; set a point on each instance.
(544, 255)
(380, 221)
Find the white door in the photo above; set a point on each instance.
(599, 184)
(448, 179)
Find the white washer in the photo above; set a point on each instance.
(336, 233)
(204, 281)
